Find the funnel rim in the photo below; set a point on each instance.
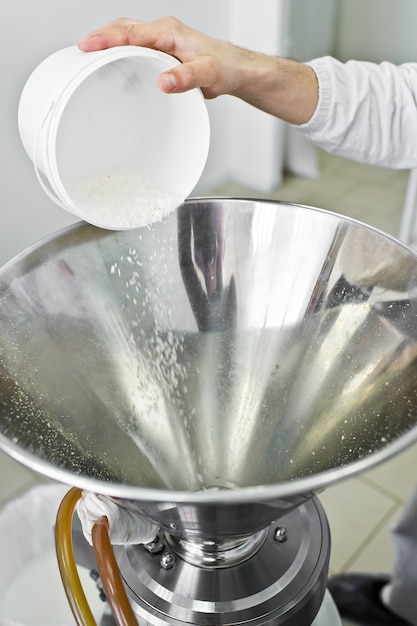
(256, 493)
(339, 216)
(80, 224)
(270, 201)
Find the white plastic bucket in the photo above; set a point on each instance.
(106, 143)
(31, 590)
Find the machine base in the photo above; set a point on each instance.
(284, 582)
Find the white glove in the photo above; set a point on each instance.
(126, 526)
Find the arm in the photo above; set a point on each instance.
(362, 111)
(281, 87)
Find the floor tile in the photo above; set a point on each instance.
(355, 512)
(394, 476)
(323, 196)
(375, 206)
(377, 555)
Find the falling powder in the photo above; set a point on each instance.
(122, 198)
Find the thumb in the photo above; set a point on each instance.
(168, 82)
(193, 74)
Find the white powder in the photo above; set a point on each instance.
(153, 369)
(122, 198)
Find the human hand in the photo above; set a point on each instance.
(281, 87)
(212, 65)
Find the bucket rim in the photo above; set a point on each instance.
(53, 118)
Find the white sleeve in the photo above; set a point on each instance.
(366, 112)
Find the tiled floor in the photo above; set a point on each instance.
(360, 510)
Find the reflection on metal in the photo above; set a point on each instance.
(214, 370)
(280, 583)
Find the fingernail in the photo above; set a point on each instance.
(167, 82)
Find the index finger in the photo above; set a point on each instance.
(125, 31)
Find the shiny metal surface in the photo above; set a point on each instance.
(215, 369)
(217, 554)
(281, 584)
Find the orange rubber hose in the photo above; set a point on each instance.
(110, 576)
(66, 561)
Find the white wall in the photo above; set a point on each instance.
(312, 28)
(311, 34)
(257, 140)
(377, 30)
(33, 30)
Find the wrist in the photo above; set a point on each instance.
(282, 87)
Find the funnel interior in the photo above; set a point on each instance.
(238, 349)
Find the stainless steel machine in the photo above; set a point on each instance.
(214, 372)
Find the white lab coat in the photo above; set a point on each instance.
(366, 112)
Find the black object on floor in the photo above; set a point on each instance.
(358, 598)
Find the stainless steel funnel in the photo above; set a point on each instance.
(217, 368)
